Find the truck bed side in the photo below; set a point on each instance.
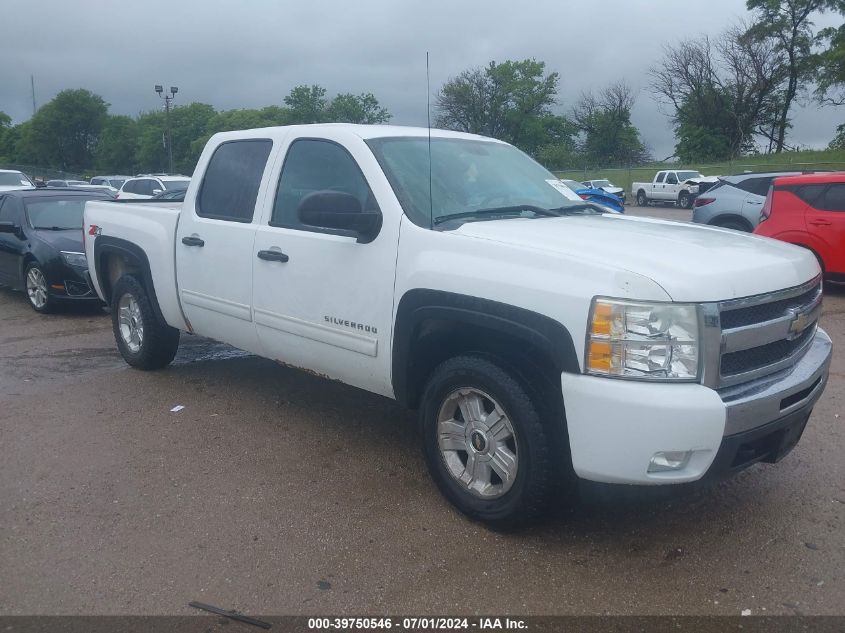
(135, 238)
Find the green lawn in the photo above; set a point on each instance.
(798, 161)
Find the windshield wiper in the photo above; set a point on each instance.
(56, 228)
(571, 209)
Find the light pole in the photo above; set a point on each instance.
(167, 99)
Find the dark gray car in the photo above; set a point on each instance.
(735, 201)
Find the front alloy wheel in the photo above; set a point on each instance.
(36, 289)
(486, 445)
(477, 443)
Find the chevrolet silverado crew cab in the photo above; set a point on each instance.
(681, 187)
(541, 339)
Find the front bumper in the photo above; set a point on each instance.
(66, 283)
(616, 426)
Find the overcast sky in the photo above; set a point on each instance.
(250, 53)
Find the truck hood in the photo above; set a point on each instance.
(703, 179)
(690, 262)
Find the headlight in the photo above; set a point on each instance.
(75, 259)
(630, 339)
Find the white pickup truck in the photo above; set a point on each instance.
(541, 340)
(680, 187)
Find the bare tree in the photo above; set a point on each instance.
(723, 92)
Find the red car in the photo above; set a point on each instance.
(809, 211)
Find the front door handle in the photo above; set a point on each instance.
(193, 241)
(273, 256)
(819, 222)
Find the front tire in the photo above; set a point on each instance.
(484, 443)
(143, 340)
(685, 200)
(35, 284)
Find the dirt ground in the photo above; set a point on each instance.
(276, 492)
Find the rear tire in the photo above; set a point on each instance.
(484, 443)
(143, 340)
(642, 199)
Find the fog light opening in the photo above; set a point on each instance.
(666, 461)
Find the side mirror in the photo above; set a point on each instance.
(156, 191)
(8, 227)
(340, 211)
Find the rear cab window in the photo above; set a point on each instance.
(229, 189)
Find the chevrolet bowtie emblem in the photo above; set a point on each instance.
(799, 324)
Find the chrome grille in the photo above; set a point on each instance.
(766, 333)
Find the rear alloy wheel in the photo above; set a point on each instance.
(143, 340)
(642, 200)
(685, 200)
(484, 443)
(36, 289)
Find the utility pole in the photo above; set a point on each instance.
(32, 85)
(167, 99)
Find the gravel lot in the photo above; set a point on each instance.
(275, 492)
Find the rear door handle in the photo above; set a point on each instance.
(193, 241)
(273, 256)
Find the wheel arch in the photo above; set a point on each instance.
(433, 325)
(115, 257)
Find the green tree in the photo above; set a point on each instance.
(349, 108)
(307, 104)
(831, 64)
(609, 138)
(65, 130)
(511, 101)
(788, 24)
(187, 122)
(117, 145)
(5, 126)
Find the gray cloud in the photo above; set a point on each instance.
(250, 53)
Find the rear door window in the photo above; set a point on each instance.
(230, 186)
(757, 186)
(660, 177)
(834, 198)
(810, 193)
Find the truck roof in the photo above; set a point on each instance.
(363, 131)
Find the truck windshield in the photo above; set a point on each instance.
(14, 179)
(686, 175)
(466, 176)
